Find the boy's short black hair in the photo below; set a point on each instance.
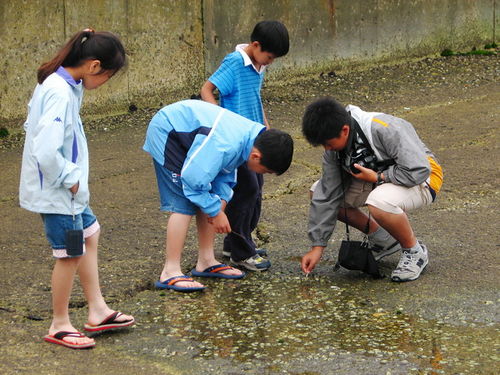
(276, 148)
(323, 120)
(272, 36)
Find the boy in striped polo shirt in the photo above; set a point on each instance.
(239, 80)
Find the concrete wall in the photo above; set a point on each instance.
(163, 38)
(174, 44)
(335, 32)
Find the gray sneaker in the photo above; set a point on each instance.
(261, 252)
(380, 251)
(411, 265)
(254, 263)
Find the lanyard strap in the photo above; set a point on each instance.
(73, 209)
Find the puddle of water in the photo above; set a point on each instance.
(276, 321)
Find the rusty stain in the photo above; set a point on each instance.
(331, 15)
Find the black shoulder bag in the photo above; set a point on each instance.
(357, 255)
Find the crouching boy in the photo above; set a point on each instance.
(371, 159)
(196, 150)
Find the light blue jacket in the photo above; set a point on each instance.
(205, 144)
(55, 155)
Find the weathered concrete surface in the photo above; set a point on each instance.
(279, 322)
(341, 32)
(163, 39)
(174, 45)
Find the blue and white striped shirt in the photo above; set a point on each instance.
(239, 85)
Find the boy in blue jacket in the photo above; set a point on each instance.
(239, 79)
(196, 149)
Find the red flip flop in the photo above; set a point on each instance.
(109, 323)
(58, 339)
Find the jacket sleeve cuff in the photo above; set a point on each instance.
(72, 177)
(388, 174)
(213, 209)
(319, 243)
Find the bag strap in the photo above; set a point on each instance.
(367, 227)
(355, 126)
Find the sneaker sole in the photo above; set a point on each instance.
(399, 280)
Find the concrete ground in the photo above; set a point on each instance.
(280, 322)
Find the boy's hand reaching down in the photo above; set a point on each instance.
(310, 259)
(220, 223)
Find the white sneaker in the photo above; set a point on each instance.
(255, 263)
(411, 265)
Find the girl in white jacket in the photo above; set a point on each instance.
(54, 177)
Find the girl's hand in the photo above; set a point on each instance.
(365, 174)
(74, 188)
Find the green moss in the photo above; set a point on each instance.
(480, 52)
(487, 51)
(447, 52)
(4, 132)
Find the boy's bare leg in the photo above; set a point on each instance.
(206, 239)
(357, 219)
(397, 225)
(177, 228)
(89, 278)
(63, 276)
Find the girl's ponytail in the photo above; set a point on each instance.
(87, 45)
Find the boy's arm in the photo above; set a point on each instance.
(311, 258)
(220, 222)
(222, 79)
(201, 171)
(265, 120)
(403, 145)
(325, 202)
(323, 211)
(223, 185)
(207, 92)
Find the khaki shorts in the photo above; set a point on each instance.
(388, 197)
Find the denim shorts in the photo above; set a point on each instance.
(56, 226)
(172, 196)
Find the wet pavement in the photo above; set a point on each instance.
(280, 322)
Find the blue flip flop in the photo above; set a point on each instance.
(215, 271)
(170, 284)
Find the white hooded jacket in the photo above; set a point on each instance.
(55, 155)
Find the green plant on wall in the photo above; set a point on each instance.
(4, 132)
(489, 49)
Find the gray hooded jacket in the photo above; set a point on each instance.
(391, 138)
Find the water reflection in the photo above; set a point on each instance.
(281, 319)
